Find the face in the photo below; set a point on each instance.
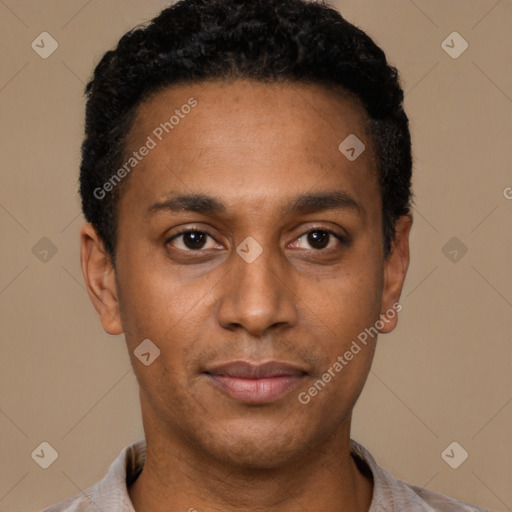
(249, 252)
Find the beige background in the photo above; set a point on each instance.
(444, 375)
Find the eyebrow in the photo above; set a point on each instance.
(303, 204)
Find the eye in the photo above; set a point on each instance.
(191, 240)
(196, 240)
(321, 239)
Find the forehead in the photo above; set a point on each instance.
(250, 139)
(325, 110)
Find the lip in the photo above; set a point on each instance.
(256, 383)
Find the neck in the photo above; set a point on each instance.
(176, 477)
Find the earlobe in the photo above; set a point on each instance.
(100, 279)
(395, 270)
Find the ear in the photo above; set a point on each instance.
(100, 279)
(395, 270)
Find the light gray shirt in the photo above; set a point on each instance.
(389, 494)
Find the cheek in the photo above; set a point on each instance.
(161, 310)
(343, 311)
(350, 338)
(156, 300)
(346, 302)
(175, 313)
(346, 346)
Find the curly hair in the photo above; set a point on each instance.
(263, 40)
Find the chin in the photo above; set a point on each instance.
(250, 447)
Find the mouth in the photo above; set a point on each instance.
(256, 383)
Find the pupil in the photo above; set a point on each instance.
(195, 238)
(316, 238)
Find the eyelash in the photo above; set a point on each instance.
(344, 240)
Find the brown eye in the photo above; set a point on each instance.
(320, 239)
(192, 240)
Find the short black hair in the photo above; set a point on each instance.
(263, 40)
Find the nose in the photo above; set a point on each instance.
(257, 296)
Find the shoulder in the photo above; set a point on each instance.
(78, 502)
(111, 493)
(428, 500)
(389, 493)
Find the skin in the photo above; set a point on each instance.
(255, 147)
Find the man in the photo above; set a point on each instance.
(246, 178)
